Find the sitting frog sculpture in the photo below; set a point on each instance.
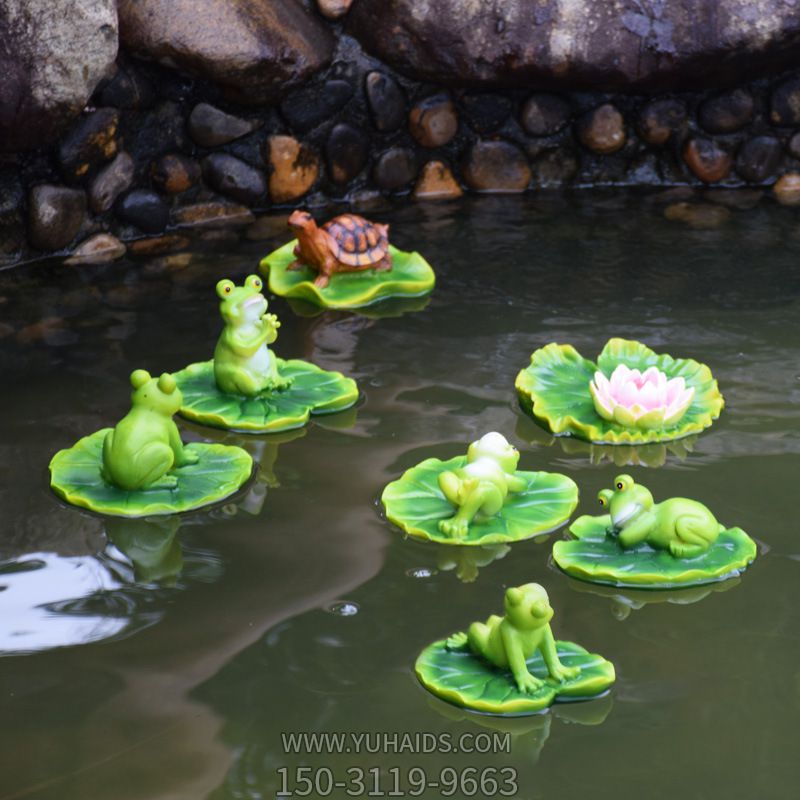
(145, 447)
(509, 641)
(480, 487)
(243, 364)
(684, 527)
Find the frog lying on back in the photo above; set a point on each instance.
(684, 527)
(243, 364)
(480, 487)
(509, 641)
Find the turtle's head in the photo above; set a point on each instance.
(301, 221)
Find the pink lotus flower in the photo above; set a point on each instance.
(640, 399)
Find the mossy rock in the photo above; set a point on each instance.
(313, 391)
(554, 389)
(416, 504)
(595, 557)
(76, 476)
(410, 276)
(466, 680)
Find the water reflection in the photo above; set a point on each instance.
(620, 455)
(529, 734)
(466, 561)
(624, 601)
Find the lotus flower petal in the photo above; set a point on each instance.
(637, 399)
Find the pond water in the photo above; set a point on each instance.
(165, 660)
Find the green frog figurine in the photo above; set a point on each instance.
(145, 447)
(684, 527)
(481, 487)
(243, 364)
(509, 641)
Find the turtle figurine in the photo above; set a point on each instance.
(347, 243)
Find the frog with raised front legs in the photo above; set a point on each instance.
(243, 364)
(482, 486)
(509, 641)
(684, 527)
(144, 448)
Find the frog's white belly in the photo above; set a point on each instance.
(259, 363)
(485, 469)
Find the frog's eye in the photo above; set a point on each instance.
(224, 288)
(604, 497)
(603, 502)
(623, 482)
(254, 282)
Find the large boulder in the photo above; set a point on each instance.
(623, 45)
(52, 56)
(254, 48)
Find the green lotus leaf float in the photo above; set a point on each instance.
(675, 543)
(410, 276)
(480, 498)
(76, 475)
(312, 391)
(631, 396)
(512, 665)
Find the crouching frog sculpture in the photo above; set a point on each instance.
(243, 364)
(684, 527)
(509, 641)
(481, 487)
(145, 446)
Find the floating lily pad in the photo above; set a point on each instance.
(416, 504)
(593, 556)
(554, 389)
(410, 276)
(75, 476)
(466, 680)
(313, 391)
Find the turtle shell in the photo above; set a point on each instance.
(355, 241)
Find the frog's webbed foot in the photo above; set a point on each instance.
(562, 673)
(189, 457)
(455, 527)
(529, 684)
(682, 550)
(458, 641)
(280, 383)
(167, 481)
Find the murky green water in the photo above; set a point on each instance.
(151, 662)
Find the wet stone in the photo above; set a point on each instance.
(169, 243)
(707, 160)
(112, 180)
(793, 145)
(234, 178)
(554, 168)
(602, 130)
(293, 168)
(387, 101)
(55, 215)
(787, 189)
(433, 122)
(152, 133)
(727, 112)
(758, 158)
(333, 9)
(211, 127)
(487, 112)
(545, 114)
(436, 182)
(102, 248)
(346, 152)
(175, 173)
(90, 142)
(395, 169)
(128, 89)
(785, 103)
(143, 209)
(662, 120)
(700, 216)
(496, 167)
(312, 105)
(213, 215)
